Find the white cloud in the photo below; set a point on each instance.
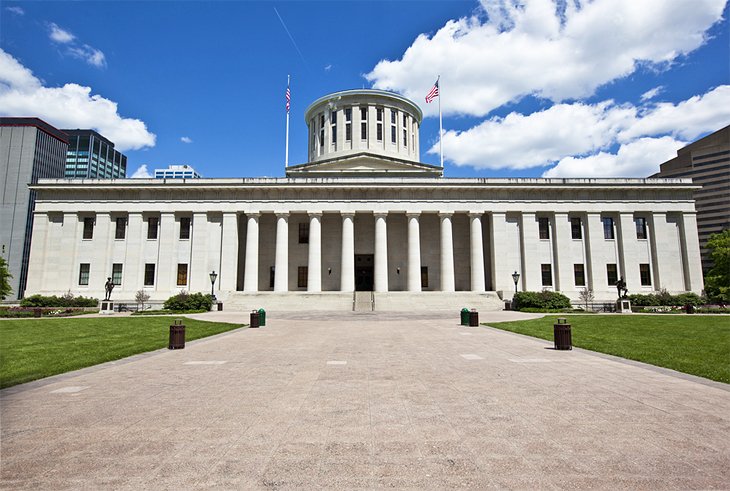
(640, 158)
(652, 93)
(89, 54)
(60, 35)
(15, 10)
(686, 119)
(70, 106)
(327, 68)
(141, 173)
(578, 135)
(186, 139)
(547, 48)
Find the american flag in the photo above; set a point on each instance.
(288, 98)
(434, 93)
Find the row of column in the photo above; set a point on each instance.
(347, 279)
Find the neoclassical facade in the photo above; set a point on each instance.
(364, 215)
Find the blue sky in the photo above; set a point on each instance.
(538, 88)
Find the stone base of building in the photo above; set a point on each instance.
(382, 302)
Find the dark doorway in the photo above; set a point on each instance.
(364, 272)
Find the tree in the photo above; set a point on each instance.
(586, 296)
(717, 280)
(141, 297)
(5, 288)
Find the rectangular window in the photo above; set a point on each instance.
(607, 227)
(612, 274)
(152, 223)
(645, 273)
(84, 274)
(547, 274)
(182, 274)
(348, 124)
(393, 127)
(576, 231)
(544, 226)
(405, 138)
(379, 124)
(304, 233)
(302, 272)
(640, 227)
(321, 131)
(579, 275)
(121, 229)
(88, 228)
(185, 227)
(333, 126)
(363, 123)
(149, 274)
(424, 276)
(393, 134)
(272, 276)
(117, 274)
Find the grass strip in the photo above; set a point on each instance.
(31, 349)
(699, 345)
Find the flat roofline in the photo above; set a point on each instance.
(38, 123)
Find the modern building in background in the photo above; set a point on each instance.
(707, 162)
(177, 172)
(91, 156)
(364, 225)
(30, 149)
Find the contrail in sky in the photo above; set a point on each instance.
(291, 37)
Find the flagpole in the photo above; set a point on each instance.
(441, 124)
(286, 155)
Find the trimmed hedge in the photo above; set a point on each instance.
(540, 300)
(189, 301)
(67, 300)
(664, 298)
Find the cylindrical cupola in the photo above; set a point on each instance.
(364, 120)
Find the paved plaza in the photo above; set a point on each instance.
(367, 401)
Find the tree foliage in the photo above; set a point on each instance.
(5, 288)
(717, 280)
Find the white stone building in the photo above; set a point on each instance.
(364, 215)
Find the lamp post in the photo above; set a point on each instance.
(516, 278)
(213, 275)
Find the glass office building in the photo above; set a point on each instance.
(92, 156)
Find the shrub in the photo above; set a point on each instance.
(664, 298)
(67, 300)
(189, 301)
(540, 300)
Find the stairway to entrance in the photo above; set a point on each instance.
(363, 302)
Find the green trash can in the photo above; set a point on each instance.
(464, 316)
(262, 317)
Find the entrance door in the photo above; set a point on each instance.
(364, 272)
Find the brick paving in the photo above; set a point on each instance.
(366, 401)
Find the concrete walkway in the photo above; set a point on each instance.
(366, 401)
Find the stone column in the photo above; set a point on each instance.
(447, 253)
(561, 240)
(227, 274)
(501, 271)
(414, 253)
(381, 253)
(251, 273)
(691, 258)
(38, 254)
(199, 280)
(134, 260)
(281, 263)
(596, 268)
(101, 261)
(477, 253)
(167, 241)
(628, 263)
(347, 273)
(314, 264)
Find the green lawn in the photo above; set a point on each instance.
(699, 345)
(35, 348)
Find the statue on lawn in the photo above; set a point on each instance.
(621, 287)
(109, 286)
